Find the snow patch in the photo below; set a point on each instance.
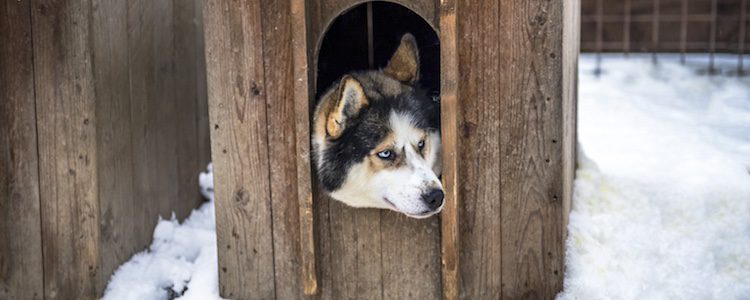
(661, 208)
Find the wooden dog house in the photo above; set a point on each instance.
(105, 123)
(507, 88)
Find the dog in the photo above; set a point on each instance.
(376, 138)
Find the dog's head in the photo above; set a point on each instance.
(376, 139)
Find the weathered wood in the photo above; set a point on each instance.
(21, 272)
(237, 99)
(153, 108)
(302, 105)
(531, 154)
(66, 127)
(118, 204)
(204, 148)
(410, 257)
(570, 50)
(186, 103)
(479, 66)
(281, 102)
(450, 119)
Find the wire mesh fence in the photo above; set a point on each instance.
(667, 26)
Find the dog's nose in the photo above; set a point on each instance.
(433, 198)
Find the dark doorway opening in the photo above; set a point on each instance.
(365, 36)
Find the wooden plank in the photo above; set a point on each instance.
(148, 108)
(187, 99)
(410, 257)
(237, 111)
(278, 50)
(302, 106)
(67, 148)
(531, 181)
(115, 168)
(204, 148)
(355, 250)
(21, 270)
(480, 65)
(570, 49)
(450, 119)
(118, 205)
(153, 110)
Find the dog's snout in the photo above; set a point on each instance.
(433, 198)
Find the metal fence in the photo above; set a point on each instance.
(667, 26)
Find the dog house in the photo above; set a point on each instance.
(505, 74)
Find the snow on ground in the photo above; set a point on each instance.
(662, 198)
(662, 201)
(181, 263)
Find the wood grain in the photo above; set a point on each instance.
(114, 145)
(479, 66)
(152, 109)
(281, 102)
(302, 106)
(188, 102)
(570, 50)
(21, 270)
(410, 257)
(451, 114)
(66, 125)
(237, 110)
(531, 123)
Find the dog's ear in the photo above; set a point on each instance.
(349, 100)
(404, 64)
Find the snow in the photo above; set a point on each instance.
(661, 207)
(662, 196)
(181, 263)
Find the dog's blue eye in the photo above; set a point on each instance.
(421, 145)
(385, 154)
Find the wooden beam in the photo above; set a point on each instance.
(66, 124)
(450, 115)
(239, 147)
(302, 106)
(21, 270)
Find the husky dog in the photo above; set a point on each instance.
(376, 138)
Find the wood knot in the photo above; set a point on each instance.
(254, 89)
(241, 196)
(467, 128)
